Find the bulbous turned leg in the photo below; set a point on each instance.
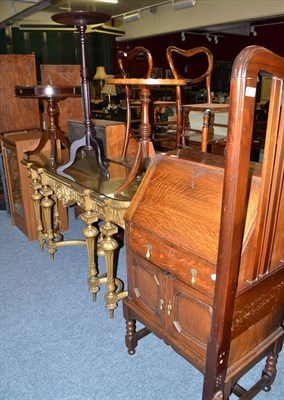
(130, 338)
(218, 396)
(270, 370)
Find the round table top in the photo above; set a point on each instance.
(47, 91)
(80, 18)
(147, 81)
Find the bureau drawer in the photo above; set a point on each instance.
(179, 262)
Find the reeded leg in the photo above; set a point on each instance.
(47, 204)
(109, 245)
(90, 233)
(56, 216)
(37, 197)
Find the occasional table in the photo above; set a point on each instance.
(52, 94)
(89, 141)
(145, 146)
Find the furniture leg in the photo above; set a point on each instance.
(134, 170)
(270, 370)
(49, 207)
(132, 336)
(47, 204)
(43, 140)
(205, 130)
(56, 215)
(114, 290)
(37, 197)
(72, 153)
(90, 232)
(145, 148)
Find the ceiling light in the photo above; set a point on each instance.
(107, 1)
(179, 4)
(253, 31)
(132, 16)
(110, 30)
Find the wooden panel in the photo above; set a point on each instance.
(176, 260)
(184, 199)
(64, 75)
(112, 134)
(189, 320)
(147, 287)
(17, 113)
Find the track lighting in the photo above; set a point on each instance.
(180, 4)
(253, 31)
(132, 16)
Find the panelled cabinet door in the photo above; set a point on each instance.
(147, 288)
(188, 321)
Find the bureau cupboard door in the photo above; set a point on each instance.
(147, 288)
(188, 322)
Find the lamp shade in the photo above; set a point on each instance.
(108, 88)
(100, 73)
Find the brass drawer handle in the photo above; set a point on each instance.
(161, 304)
(193, 276)
(148, 252)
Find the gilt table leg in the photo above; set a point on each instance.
(114, 287)
(37, 197)
(47, 203)
(90, 232)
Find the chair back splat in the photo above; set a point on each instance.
(184, 129)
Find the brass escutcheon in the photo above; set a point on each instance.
(193, 276)
(148, 252)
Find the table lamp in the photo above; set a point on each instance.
(109, 89)
(101, 76)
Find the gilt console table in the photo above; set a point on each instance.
(82, 184)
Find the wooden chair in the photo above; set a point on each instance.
(124, 60)
(183, 126)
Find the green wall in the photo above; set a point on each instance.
(59, 47)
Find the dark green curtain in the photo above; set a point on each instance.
(59, 47)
